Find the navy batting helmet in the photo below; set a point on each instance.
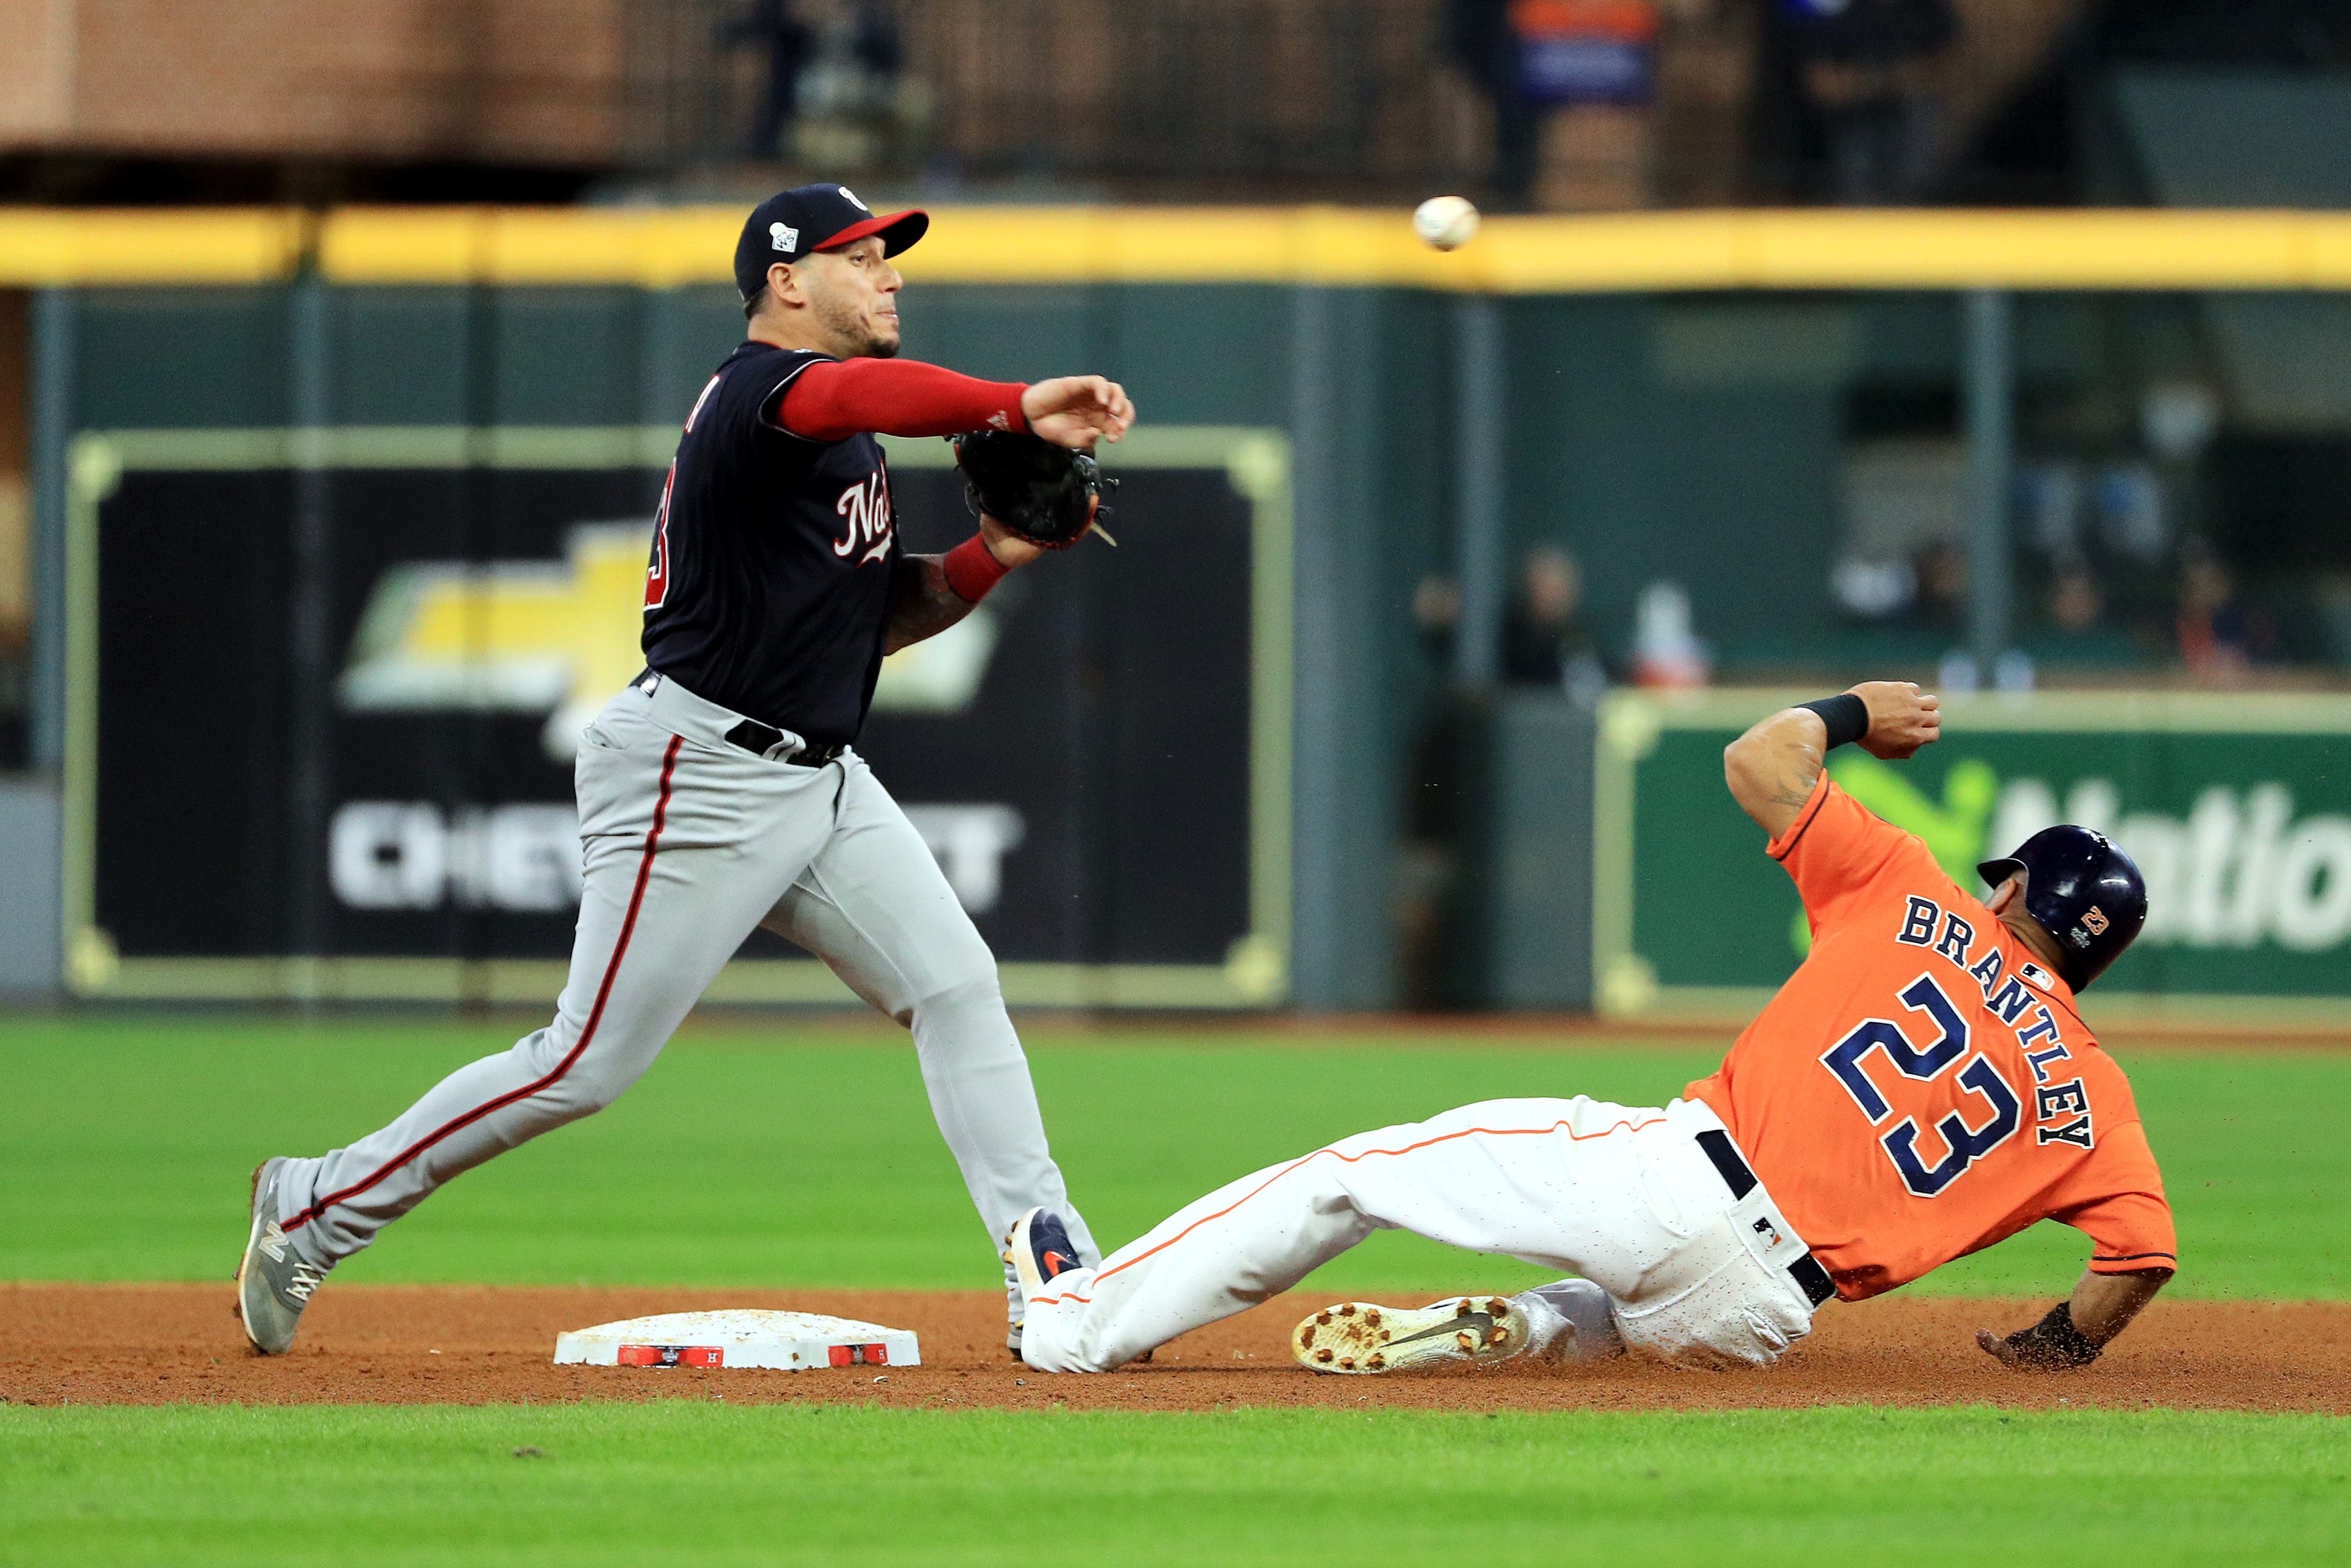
(2082, 889)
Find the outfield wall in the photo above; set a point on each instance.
(1674, 392)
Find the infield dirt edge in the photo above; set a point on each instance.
(420, 1345)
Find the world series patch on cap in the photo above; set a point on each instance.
(794, 225)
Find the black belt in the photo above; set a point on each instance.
(756, 737)
(1806, 1271)
(753, 737)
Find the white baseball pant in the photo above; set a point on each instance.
(1622, 1196)
(689, 843)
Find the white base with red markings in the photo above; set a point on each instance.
(742, 1337)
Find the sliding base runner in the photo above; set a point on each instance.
(1922, 1087)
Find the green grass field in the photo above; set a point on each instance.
(682, 1483)
(783, 1154)
(792, 1155)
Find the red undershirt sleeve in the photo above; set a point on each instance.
(835, 399)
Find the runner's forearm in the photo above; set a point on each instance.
(2103, 1304)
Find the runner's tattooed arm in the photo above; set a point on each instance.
(1772, 767)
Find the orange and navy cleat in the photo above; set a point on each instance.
(1040, 1251)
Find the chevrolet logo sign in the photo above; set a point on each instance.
(560, 637)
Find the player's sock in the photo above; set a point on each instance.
(1571, 1320)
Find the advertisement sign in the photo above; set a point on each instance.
(2236, 807)
(331, 689)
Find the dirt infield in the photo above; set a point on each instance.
(143, 1344)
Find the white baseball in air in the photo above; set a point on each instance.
(1449, 222)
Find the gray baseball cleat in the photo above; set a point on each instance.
(1358, 1337)
(273, 1283)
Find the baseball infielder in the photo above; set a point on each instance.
(718, 790)
(1920, 1088)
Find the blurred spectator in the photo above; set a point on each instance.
(1545, 640)
(1436, 611)
(1841, 110)
(1666, 652)
(2221, 636)
(1486, 47)
(2075, 604)
(1573, 52)
(2079, 628)
(772, 26)
(858, 109)
(1941, 572)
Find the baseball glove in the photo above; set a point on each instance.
(1043, 493)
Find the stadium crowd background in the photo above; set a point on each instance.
(2168, 469)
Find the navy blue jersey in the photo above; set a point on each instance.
(770, 587)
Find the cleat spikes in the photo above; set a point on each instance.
(1359, 1337)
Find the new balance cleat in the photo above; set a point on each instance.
(1358, 1337)
(273, 1283)
(1040, 1251)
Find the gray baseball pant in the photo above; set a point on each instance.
(690, 842)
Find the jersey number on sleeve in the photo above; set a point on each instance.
(657, 570)
(1848, 1058)
(657, 573)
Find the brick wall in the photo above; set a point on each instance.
(509, 80)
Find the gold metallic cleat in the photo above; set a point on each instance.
(1358, 1337)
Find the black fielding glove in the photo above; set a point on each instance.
(2053, 1344)
(1847, 717)
(1042, 492)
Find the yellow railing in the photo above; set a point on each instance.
(1759, 249)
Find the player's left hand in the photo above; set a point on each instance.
(2036, 1349)
(1076, 412)
(1902, 718)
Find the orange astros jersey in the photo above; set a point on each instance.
(1920, 1087)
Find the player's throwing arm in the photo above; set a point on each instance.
(719, 791)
